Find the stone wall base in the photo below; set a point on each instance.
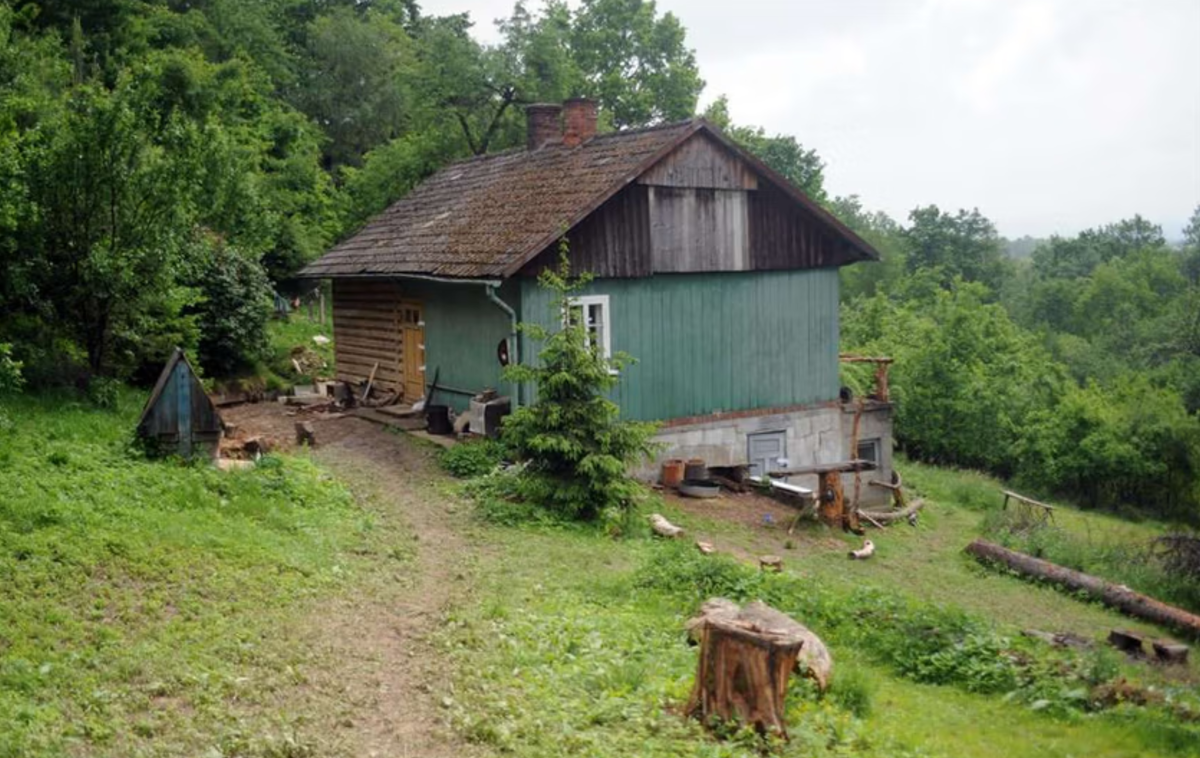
(815, 434)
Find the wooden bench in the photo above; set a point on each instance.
(1030, 511)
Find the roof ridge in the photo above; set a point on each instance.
(600, 136)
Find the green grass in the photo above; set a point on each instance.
(577, 648)
(570, 651)
(147, 603)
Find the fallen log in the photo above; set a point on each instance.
(1115, 595)
(888, 517)
(746, 658)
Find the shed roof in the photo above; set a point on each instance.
(486, 217)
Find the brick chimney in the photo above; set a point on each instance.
(542, 124)
(579, 121)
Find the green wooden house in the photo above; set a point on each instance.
(714, 272)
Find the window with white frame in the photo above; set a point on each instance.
(593, 312)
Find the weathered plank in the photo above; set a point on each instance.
(703, 163)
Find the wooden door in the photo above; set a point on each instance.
(412, 364)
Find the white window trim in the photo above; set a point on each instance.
(583, 301)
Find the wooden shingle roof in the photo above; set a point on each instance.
(486, 217)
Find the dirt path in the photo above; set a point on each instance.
(376, 681)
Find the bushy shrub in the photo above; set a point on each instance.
(233, 311)
(472, 459)
(1131, 443)
(576, 448)
(966, 378)
(10, 370)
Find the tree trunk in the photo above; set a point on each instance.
(746, 656)
(1115, 595)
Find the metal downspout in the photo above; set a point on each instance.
(514, 351)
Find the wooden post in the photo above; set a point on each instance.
(322, 299)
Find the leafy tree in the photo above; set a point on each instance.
(966, 378)
(112, 215)
(885, 235)
(1080, 255)
(1191, 248)
(964, 245)
(576, 449)
(635, 62)
(1130, 444)
(353, 81)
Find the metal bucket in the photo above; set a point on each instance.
(672, 472)
(696, 468)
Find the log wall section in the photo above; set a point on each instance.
(366, 331)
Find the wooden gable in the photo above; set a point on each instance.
(704, 207)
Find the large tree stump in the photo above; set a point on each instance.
(746, 657)
(829, 494)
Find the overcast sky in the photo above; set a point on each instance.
(1047, 115)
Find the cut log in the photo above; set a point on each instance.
(746, 657)
(814, 660)
(1128, 642)
(770, 563)
(889, 517)
(305, 434)
(664, 528)
(1115, 595)
(1170, 652)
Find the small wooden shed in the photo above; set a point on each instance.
(179, 417)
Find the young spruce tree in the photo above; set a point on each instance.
(576, 448)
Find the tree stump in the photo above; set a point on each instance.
(832, 501)
(305, 434)
(746, 657)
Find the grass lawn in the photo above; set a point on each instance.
(154, 608)
(571, 652)
(147, 607)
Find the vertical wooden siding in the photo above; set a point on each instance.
(784, 235)
(462, 330)
(701, 162)
(710, 343)
(693, 230)
(612, 241)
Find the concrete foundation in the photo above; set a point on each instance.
(816, 434)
